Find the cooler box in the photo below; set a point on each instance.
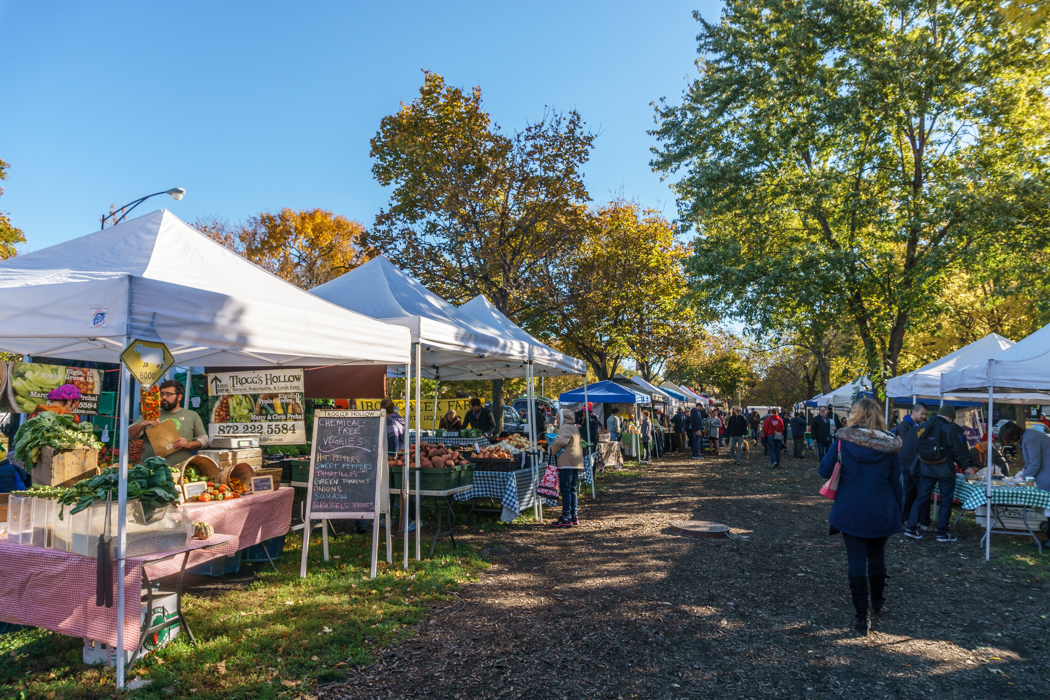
(163, 610)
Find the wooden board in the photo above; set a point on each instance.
(64, 467)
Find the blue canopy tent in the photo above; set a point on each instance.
(675, 394)
(605, 392)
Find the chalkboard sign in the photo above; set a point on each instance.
(348, 475)
(346, 464)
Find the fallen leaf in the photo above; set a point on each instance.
(314, 658)
(51, 695)
(289, 684)
(221, 667)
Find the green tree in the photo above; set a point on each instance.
(859, 150)
(9, 235)
(721, 365)
(473, 210)
(618, 294)
(306, 248)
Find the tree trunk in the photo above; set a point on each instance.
(824, 368)
(497, 404)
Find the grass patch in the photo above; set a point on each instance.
(275, 637)
(1015, 551)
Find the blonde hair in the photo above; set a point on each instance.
(866, 413)
(645, 413)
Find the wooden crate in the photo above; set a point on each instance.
(271, 471)
(64, 467)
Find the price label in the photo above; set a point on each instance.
(272, 432)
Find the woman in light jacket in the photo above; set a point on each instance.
(645, 433)
(568, 450)
(867, 507)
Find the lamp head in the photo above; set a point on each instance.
(177, 193)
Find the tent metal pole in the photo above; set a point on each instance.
(186, 396)
(534, 459)
(122, 510)
(988, 483)
(419, 441)
(435, 424)
(587, 427)
(404, 467)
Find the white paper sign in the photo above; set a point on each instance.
(255, 382)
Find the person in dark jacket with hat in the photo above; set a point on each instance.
(938, 430)
(821, 429)
(867, 507)
(906, 431)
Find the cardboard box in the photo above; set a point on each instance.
(163, 611)
(228, 458)
(162, 436)
(64, 467)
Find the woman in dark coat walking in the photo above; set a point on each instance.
(869, 502)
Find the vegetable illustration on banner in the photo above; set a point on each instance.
(25, 385)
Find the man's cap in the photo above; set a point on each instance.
(947, 410)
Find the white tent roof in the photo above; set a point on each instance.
(453, 348)
(692, 395)
(926, 381)
(1023, 367)
(658, 393)
(843, 396)
(546, 360)
(157, 278)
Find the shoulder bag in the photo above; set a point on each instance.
(831, 486)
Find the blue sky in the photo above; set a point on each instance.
(258, 106)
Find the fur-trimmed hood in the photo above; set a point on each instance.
(878, 440)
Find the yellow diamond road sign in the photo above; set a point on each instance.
(147, 361)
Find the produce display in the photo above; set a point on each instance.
(219, 492)
(150, 483)
(28, 378)
(58, 431)
(431, 457)
(190, 475)
(493, 452)
(149, 403)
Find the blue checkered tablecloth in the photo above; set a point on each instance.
(515, 490)
(973, 495)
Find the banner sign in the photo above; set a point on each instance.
(427, 420)
(25, 385)
(264, 403)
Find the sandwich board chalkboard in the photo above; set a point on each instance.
(348, 476)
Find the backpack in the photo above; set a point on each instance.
(932, 446)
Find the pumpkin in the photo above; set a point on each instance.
(202, 530)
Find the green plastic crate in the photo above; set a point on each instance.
(107, 403)
(300, 469)
(429, 479)
(466, 475)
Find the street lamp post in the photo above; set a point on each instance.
(176, 193)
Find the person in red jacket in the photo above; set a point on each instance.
(773, 432)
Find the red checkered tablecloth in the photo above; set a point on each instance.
(56, 590)
(249, 520)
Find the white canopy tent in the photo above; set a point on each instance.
(448, 345)
(925, 382)
(843, 396)
(156, 278)
(690, 394)
(658, 393)
(1021, 368)
(546, 360)
(453, 347)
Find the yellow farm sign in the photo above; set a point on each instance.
(427, 419)
(147, 361)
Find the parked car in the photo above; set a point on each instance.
(998, 424)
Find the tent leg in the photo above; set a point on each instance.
(122, 511)
(404, 468)
(530, 402)
(435, 423)
(186, 396)
(988, 484)
(419, 440)
(587, 425)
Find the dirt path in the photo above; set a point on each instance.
(621, 608)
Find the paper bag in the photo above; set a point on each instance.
(162, 438)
